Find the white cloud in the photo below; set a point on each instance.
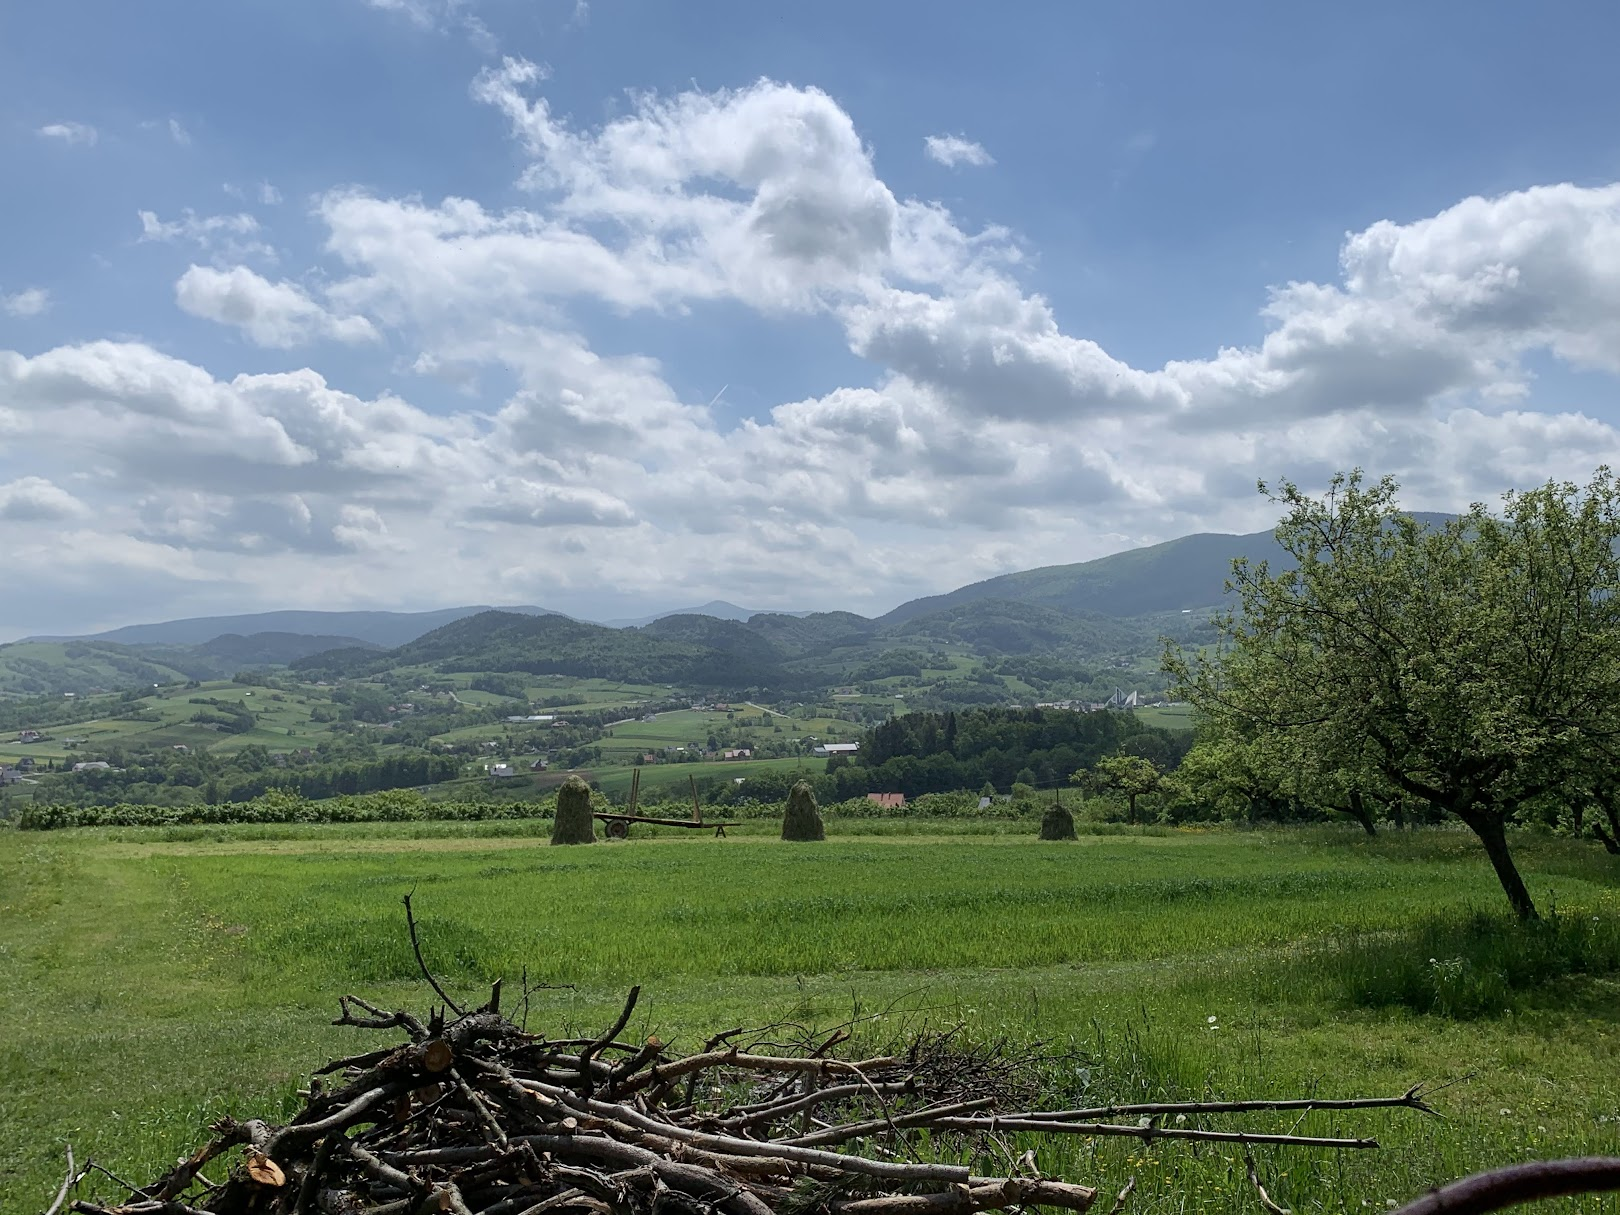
(987, 437)
(954, 150)
(270, 314)
(36, 500)
(231, 236)
(31, 301)
(179, 133)
(442, 16)
(81, 133)
(268, 194)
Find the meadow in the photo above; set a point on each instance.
(158, 978)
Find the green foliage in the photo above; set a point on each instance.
(280, 806)
(1473, 664)
(1131, 776)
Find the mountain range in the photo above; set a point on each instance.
(1112, 610)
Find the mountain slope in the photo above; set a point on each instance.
(1189, 572)
(557, 645)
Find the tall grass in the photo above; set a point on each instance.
(1468, 965)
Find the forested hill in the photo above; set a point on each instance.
(934, 752)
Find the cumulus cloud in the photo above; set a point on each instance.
(81, 133)
(179, 133)
(34, 500)
(280, 314)
(31, 301)
(953, 151)
(987, 437)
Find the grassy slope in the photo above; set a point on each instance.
(158, 984)
(279, 713)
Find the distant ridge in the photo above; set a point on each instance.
(720, 609)
(385, 629)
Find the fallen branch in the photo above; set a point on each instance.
(1518, 1183)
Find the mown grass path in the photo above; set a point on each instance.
(155, 983)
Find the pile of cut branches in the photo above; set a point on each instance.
(473, 1115)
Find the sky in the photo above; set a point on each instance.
(615, 306)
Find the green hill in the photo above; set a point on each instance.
(1189, 572)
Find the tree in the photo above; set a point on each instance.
(1472, 663)
(574, 824)
(802, 820)
(1130, 775)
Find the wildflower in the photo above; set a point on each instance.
(1210, 1019)
(1504, 1113)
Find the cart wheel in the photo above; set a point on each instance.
(618, 830)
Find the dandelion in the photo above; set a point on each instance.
(1210, 1019)
(1505, 1113)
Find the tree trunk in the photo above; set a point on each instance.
(1130, 812)
(1358, 811)
(1492, 832)
(1610, 838)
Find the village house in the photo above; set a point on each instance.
(737, 753)
(9, 776)
(30, 736)
(888, 801)
(501, 771)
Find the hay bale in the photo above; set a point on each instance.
(574, 823)
(802, 820)
(1057, 824)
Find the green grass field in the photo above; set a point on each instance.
(278, 712)
(158, 979)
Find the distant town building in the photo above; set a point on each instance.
(501, 771)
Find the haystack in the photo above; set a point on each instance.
(802, 820)
(1057, 824)
(574, 823)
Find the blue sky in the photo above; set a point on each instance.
(614, 307)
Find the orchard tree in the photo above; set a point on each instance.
(1473, 664)
(1129, 775)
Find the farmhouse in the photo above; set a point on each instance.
(737, 753)
(502, 770)
(9, 776)
(825, 750)
(30, 736)
(888, 801)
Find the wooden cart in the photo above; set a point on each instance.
(618, 825)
